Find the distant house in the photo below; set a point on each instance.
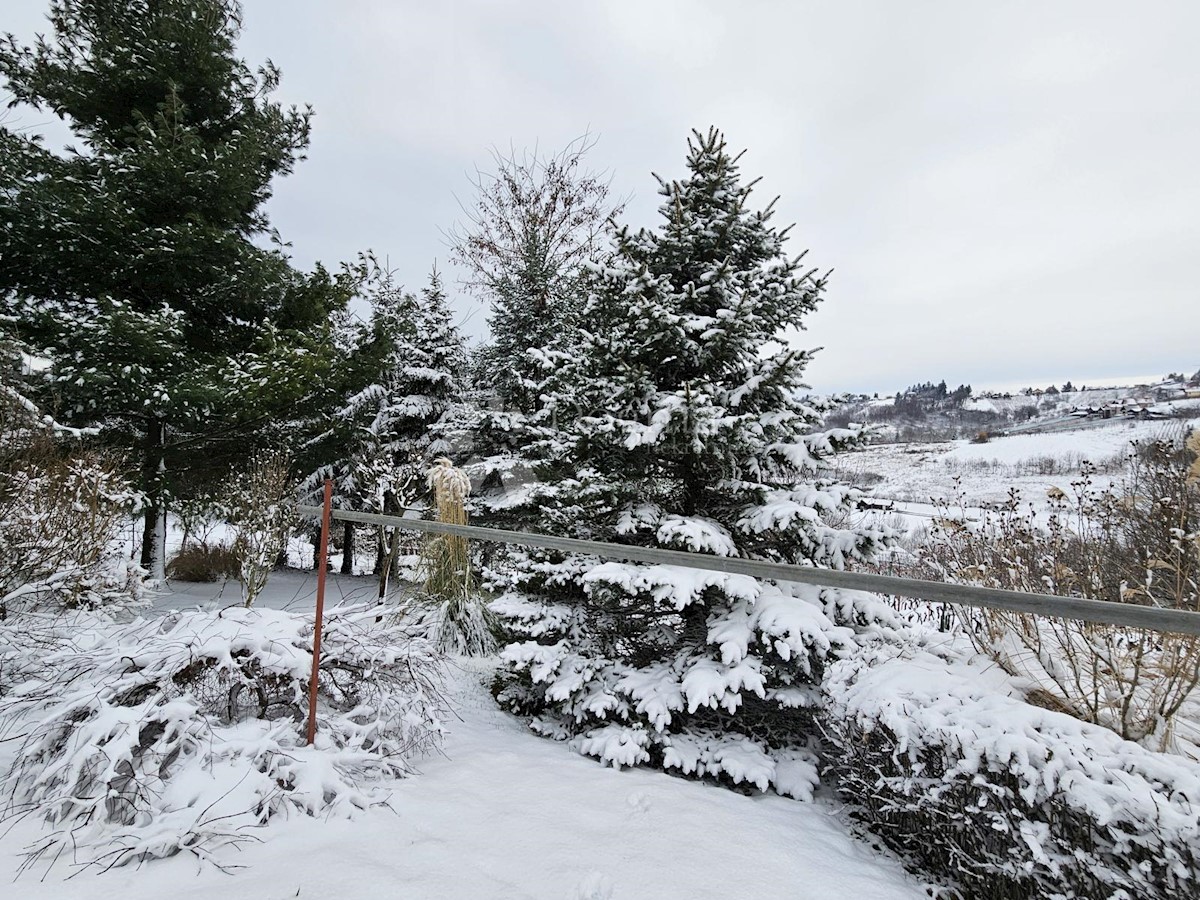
(1172, 390)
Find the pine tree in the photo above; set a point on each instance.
(132, 264)
(679, 423)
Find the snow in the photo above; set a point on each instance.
(675, 585)
(911, 475)
(1094, 444)
(506, 814)
(697, 535)
(979, 404)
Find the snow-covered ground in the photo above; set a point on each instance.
(916, 477)
(505, 814)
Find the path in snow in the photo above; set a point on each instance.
(505, 814)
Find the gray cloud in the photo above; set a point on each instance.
(1007, 192)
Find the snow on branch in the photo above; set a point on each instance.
(183, 733)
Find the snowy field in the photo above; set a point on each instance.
(916, 477)
(505, 814)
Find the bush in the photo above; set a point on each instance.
(182, 733)
(1007, 800)
(259, 510)
(60, 523)
(204, 562)
(1136, 543)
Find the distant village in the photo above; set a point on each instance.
(930, 411)
(1145, 403)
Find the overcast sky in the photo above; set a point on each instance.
(1009, 193)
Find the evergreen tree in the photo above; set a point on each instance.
(401, 375)
(535, 222)
(679, 422)
(959, 395)
(132, 264)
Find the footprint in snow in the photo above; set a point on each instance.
(638, 802)
(594, 886)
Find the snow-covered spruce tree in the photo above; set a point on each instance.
(135, 265)
(440, 370)
(402, 373)
(678, 423)
(535, 224)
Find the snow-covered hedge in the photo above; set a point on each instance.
(185, 732)
(60, 524)
(942, 759)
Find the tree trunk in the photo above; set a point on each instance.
(388, 570)
(154, 531)
(348, 549)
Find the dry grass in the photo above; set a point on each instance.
(1138, 542)
(204, 562)
(463, 623)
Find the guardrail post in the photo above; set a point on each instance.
(322, 567)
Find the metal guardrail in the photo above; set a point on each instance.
(1173, 621)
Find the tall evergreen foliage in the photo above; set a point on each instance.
(132, 262)
(678, 422)
(536, 221)
(401, 373)
(534, 226)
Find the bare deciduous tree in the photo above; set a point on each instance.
(262, 517)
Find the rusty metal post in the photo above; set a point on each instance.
(322, 567)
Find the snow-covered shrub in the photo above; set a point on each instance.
(186, 732)
(1138, 542)
(258, 501)
(941, 759)
(60, 522)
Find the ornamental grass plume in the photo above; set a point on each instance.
(461, 622)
